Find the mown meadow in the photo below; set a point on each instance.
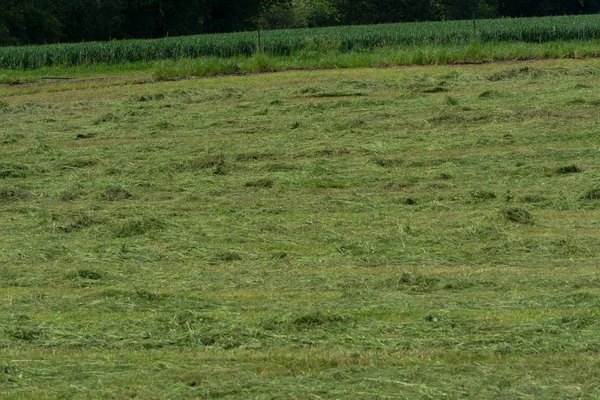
(421, 232)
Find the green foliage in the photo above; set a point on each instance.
(302, 14)
(6, 39)
(290, 42)
(26, 22)
(43, 21)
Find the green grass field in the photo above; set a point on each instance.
(399, 233)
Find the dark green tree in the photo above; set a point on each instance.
(22, 22)
(48, 21)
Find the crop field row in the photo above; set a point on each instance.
(287, 42)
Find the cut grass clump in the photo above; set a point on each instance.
(517, 215)
(137, 226)
(318, 319)
(79, 163)
(220, 169)
(148, 97)
(329, 184)
(279, 167)
(571, 246)
(226, 256)
(261, 183)
(482, 195)
(115, 193)
(26, 333)
(13, 171)
(78, 222)
(432, 318)
(447, 118)
(280, 255)
(532, 198)
(568, 169)
(335, 94)
(253, 156)
(451, 101)
(387, 162)
(514, 73)
(108, 117)
(415, 282)
(87, 274)
(434, 89)
(410, 281)
(215, 161)
(147, 295)
(11, 138)
(490, 94)
(591, 194)
(83, 136)
(71, 193)
(14, 193)
(334, 151)
(398, 186)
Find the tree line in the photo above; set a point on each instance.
(52, 21)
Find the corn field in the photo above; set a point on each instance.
(286, 42)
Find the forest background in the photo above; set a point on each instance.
(53, 21)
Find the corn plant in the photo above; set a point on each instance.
(286, 42)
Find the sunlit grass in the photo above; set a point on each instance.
(351, 233)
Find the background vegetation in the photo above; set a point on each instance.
(51, 21)
(565, 36)
(414, 233)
